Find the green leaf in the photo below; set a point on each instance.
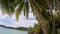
(19, 10)
(26, 9)
(16, 2)
(5, 7)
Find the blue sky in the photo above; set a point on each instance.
(11, 21)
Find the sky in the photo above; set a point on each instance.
(11, 21)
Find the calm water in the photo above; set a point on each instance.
(11, 31)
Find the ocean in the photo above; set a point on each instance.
(11, 31)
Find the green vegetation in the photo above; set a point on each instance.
(47, 13)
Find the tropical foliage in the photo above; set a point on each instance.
(47, 13)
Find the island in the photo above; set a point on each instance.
(18, 28)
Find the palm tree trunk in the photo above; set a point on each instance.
(52, 16)
(53, 24)
(40, 17)
(53, 21)
(43, 23)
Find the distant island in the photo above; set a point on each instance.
(19, 28)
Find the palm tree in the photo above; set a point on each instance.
(8, 7)
(37, 6)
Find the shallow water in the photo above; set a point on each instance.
(11, 31)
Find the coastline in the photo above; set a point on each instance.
(18, 28)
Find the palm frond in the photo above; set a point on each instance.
(26, 9)
(6, 7)
(11, 10)
(15, 3)
(19, 10)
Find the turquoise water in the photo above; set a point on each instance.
(11, 31)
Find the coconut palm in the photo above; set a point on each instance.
(8, 7)
(38, 8)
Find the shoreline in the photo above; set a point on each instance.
(18, 28)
